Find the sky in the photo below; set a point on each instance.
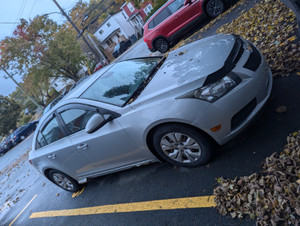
(11, 11)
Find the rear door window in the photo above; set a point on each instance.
(160, 17)
(50, 133)
(174, 6)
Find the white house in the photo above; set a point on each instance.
(114, 29)
(60, 83)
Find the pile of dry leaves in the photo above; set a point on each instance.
(272, 27)
(271, 198)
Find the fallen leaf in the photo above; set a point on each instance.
(281, 109)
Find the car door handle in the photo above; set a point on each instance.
(82, 147)
(52, 156)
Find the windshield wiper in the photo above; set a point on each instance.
(142, 86)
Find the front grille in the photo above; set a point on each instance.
(254, 59)
(241, 116)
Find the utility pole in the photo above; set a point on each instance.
(96, 47)
(77, 30)
(21, 88)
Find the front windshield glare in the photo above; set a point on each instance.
(117, 84)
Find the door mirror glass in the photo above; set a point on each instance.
(96, 122)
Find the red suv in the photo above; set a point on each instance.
(174, 18)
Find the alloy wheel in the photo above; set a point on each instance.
(180, 147)
(214, 8)
(63, 181)
(162, 45)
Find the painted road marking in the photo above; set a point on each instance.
(166, 204)
(78, 193)
(22, 210)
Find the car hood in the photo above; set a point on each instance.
(188, 67)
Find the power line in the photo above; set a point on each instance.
(32, 8)
(21, 11)
(8, 22)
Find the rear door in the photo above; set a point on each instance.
(54, 145)
(163, 23)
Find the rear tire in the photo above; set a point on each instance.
(181, 145)
(162, 45)
(214, 8)
(64, 181)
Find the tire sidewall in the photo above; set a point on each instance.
(76, 186)
(205, 145)
(210, 15)
(158, 47)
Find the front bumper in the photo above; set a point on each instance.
(237, 109)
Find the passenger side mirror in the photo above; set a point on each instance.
(187, 2)
(96, 122)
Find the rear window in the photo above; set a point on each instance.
(49, 134)
(151, 25)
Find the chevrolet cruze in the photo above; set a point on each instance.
(142, 110)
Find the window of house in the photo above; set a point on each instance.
(117, 34)
(148, 9)
(109, 42)
(130, 7)
(124, 15)
(108, 24)
(101, 32)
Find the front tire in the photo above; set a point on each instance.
(64, 181)
(181, 145)
(162, 45)
(214, 8)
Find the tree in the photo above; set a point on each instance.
(39, 51)
(22, 100)
(64, 55)
(9, 114)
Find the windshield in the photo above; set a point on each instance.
(117, 84)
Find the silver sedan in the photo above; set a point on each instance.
(143, 110)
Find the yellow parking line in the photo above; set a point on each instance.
(166, 204)
(22, 210)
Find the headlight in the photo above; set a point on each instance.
(215, 91)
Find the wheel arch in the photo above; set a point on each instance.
(151, 132)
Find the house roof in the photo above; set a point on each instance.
(111, 34)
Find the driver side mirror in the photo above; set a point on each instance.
(96, 122)
(187, 2)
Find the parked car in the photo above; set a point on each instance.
(143, 110)
(8, 143)
(174, 18)
(23, 131)
(52, 104)
(121, 48)
(100, 65)
(2, 148)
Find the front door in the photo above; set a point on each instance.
(107, 148)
